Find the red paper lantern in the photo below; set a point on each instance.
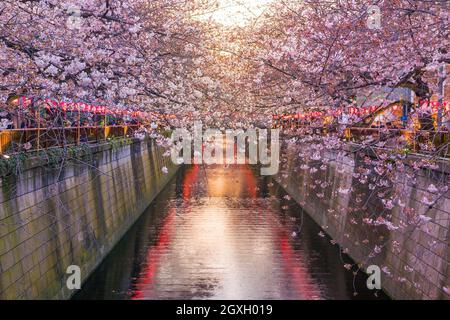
(24, 101)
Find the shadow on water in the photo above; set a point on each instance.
(224, 233)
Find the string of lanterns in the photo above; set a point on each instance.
(330, 112)
(105, 110)
(88, 108)
(363, 111)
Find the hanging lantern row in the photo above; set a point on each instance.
(88, 108)
(434, 105)
(328, 113)
(364, 111)
(361, 111)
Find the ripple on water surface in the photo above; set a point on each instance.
(222, 233)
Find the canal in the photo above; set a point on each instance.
(224, 233)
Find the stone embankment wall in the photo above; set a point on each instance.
(55, 216)
(416, 258)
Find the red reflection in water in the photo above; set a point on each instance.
(189, 179)
(163, 240)
(305, 286)
(153, 257)
(250, 182)
(292, 261)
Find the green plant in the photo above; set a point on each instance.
(78, 152)
(54, 156)
(11, 164)
(117, 142)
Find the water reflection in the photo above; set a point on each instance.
(221, 233)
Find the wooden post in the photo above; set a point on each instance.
(104, 125)
(441, 96)
(79, 123)
(39, 126)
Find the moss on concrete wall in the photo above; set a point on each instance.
(424, 249)
(50, 219)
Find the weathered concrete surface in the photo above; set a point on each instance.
(50, 219)
(425, 249)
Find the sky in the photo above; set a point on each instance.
(233, 13)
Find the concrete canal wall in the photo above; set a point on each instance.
(55, 216)
(425, 248)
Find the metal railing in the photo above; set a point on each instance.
(416, 141)
(14, 140)
(419, 141)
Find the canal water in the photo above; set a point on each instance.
(224, 233)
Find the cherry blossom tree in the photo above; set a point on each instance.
(116, 52)
(336, 50)
(164, 55)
